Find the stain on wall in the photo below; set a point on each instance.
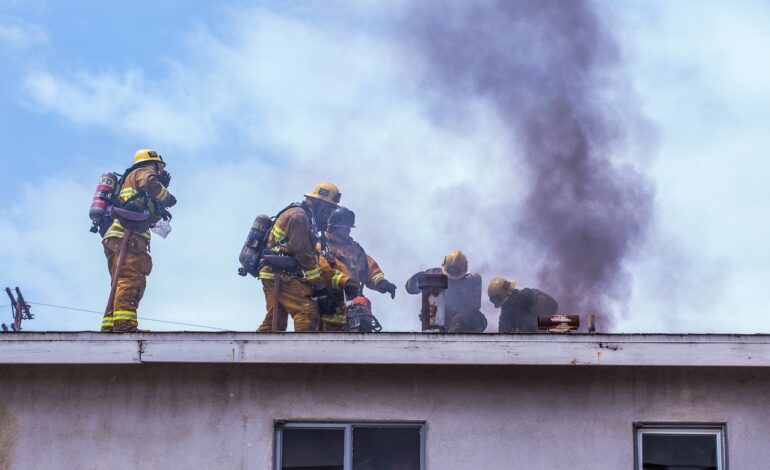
(9, 432)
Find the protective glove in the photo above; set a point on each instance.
(352, 289)
(320, 292)
(387, 287)
(165, 178)
(171, 202)
(322, 298)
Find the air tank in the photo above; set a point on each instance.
(102, 198)
(254, 246)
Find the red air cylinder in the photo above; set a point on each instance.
(101, 201)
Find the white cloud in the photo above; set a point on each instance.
(19, 35)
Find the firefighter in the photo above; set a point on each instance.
(347, 268)
(519, 308)
(462, 297)
(295, 234)
(143, 191)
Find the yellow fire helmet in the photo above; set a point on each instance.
(147, 155)
(455, 265)
(499, 290)
(327, 192)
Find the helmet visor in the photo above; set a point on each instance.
(454, 271)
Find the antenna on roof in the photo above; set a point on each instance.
(19, 308)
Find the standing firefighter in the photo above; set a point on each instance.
(462, 296)
(519, 308)
(140, 203)
(293, 237)
(347, 268)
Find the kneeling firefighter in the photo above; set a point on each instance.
(519, 308)
(141, 201)
(462, 296)
(291, 261)
(347, 268)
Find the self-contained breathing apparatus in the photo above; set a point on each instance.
(254, 247)
(253, 250)
(105, 202)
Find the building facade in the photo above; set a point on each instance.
(389, 401)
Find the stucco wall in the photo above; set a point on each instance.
(490, 417)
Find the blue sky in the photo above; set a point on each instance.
(253, 102)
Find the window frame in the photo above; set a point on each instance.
(347, 426)
(718, 430)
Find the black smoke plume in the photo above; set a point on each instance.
(553, 72)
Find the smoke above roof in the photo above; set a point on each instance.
(553, 74)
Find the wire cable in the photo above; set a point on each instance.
(141, 318)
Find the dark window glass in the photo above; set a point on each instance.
(313, 449)
(679, 452)
(386, 448)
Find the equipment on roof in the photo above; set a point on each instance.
(433, 312)
(360, 318)
(558, 323)
(19, 309)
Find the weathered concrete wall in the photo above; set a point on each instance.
(221, 416)
(9, 432)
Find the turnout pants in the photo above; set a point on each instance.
(466, 322)
(337, 321)
(295, 301)
(121, 315)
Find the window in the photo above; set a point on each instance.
(349, 446)
(680, 446)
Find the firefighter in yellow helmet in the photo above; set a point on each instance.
(296, 231)
(462, 297)
(519, 308)
(347, 268)
(143, 194)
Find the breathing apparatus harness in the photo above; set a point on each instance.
(114, 202)
(315, 237)
(158, 209)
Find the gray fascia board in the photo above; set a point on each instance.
(388, 349)
(69, 348)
